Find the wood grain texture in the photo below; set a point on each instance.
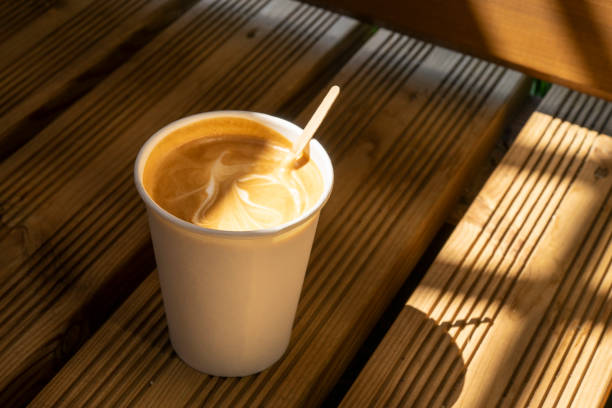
(73, 234)
(15, 15)
(563, 41)
(524, 284)
(411, 122)
(27, 22)
(42, 67)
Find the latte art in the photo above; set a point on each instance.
(237, 180)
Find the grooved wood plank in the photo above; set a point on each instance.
(523, 287)
(410, 123)
(15, 15)
(26, 23)
(42, 64)
(72, 223)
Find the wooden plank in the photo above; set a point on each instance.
(15, 15)
(411, 122)
(523, 287)
(73, 238)
(567, 42)
(26, 26)
(42, 65)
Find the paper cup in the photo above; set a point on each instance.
(230, 296)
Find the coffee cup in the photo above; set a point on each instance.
(230, 297)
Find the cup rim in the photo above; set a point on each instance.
(280, 125)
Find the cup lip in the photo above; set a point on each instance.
(276, 123)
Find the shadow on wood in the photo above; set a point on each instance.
(423, 367)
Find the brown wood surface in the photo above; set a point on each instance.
(15, 15)
(65, 52)
(521, 294)
(564, 41)
(73, 237)
(411, 123)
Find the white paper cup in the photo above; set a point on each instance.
(230, 296)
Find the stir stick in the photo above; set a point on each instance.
(314, 122)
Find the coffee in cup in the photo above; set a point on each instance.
(231, 173)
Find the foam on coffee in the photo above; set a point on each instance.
(228, 173)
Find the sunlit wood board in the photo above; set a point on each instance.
(521, 294)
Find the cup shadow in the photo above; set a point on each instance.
(428, 371)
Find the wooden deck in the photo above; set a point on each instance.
(61, 53)
(517, 308)
(85, 83)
